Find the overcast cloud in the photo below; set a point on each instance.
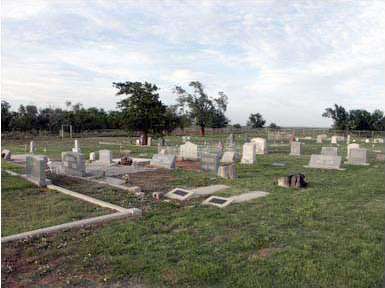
(288, 60)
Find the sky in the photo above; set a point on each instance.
(287, 60)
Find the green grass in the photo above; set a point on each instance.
(25, 207)
(328, 235)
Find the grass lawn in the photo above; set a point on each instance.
(328, 235)
(25, 207)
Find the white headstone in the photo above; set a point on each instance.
(6, 154)
(260, 145)
(228, 157)
(76, 148)
(164, 161)
(149, 141)
(351, 146)
(92, 156)
(325, 162)
(334, 140)
(358, 156)
(105, 156)
(296, 148)
(188, 151)
(32, 147)
(248, 153)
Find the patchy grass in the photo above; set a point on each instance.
(328, 235)
(25, 207)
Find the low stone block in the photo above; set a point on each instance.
(325, 162)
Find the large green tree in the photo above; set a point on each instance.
(256, 121)
(142, 109)
(339, 115)
(205, 111)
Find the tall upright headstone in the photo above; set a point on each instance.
(32, 147)
(35, 169)
(260, 145)
(348, 139)
(248, 153)
(296, 148)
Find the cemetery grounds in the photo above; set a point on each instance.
(330, 234)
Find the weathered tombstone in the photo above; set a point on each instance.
(227, 171)
(358, 156)
(321, 138)
(164, 161)
(248, 153)
(105, 156)
(325, 162)
(74, 164)
(92, 156)
(188, 151)
(231, 142)
(35, 169)
(228, 157)
(296, 148)
(32, 147)
(210, 161)
(6, 154)
(149, 141)
(380, 157)
(76, 149)
(333, 151)
(348, 139)
(334, 140)
(260, 145)
(351, 146)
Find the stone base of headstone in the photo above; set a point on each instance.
(227, 171)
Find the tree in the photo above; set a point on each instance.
(6, 115)
(237, 126)
(203, 110)
(339, 116)
(274, 126)
(256, 121)
(142, 110)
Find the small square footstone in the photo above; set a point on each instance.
(217, 201)
(179, 194)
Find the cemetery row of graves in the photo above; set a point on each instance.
(268, 199)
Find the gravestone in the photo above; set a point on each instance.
(163, 161)
(74, 164)
(217, 201)
(340, 138)
(231, 142)
(92, 156)
(325, 162)
(348, 139)
(188, 151)
(380, 157)
(105, 156)
(248, 153)
(32, 147)
(334, 140)
(210, 161)
(227, 171)
(35, 169)
(351, 146)
(149, 141)
(321, 138)
(358, 156)
(179, 194)
(260, 145)
(332, 151)
(6, 154)
(296, 148)
(76, 149)
(228, 157)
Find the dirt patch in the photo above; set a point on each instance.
(189, 165)
(152, 181)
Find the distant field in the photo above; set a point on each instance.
(328, 235)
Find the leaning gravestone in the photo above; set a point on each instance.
(163, 161)
(74, 164)
(358, 156)
(352, 146)
(210, 161)
(188, 151)
(260, 145)
(332, 151)
(248, 153)
(296, 148)
(35, 169)
(105, 156)
(325, 162)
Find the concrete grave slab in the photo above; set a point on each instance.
(217, 201)
(249, 196)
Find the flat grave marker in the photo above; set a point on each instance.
(217, 201)
(179, 194)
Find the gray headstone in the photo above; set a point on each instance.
(358, 156)
(296, 148)
(188, 151)
(228, 157)
(332, 151)
(210, 161)
(32, 147)
(73, 164)
(325, 162)
(35, 169)
(164, 161)
(351, 146)
(105, 156)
